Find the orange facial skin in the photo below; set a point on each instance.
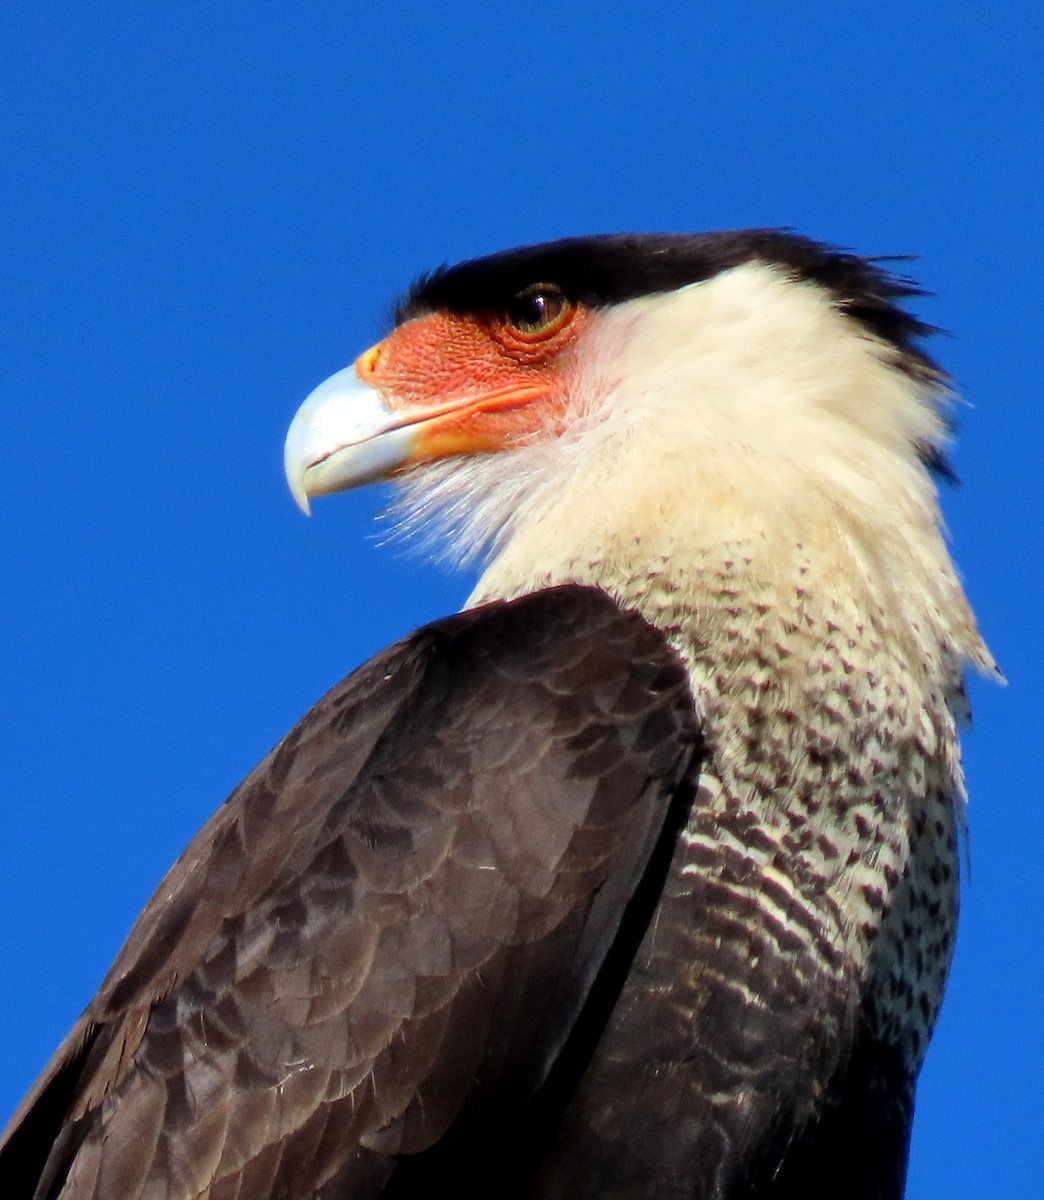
(478, 382)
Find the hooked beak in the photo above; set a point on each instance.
(346, 434)
(343, 436)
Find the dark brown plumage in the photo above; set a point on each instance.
(358, 898)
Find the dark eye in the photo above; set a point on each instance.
(538, 310)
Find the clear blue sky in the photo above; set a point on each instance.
(205, 209)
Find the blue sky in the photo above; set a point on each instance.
(204, 210)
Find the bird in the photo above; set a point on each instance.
(636, 877)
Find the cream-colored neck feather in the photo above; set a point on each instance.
(741, 427)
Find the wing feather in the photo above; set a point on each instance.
(392, 924)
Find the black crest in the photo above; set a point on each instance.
(613, 268)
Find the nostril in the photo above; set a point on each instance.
(366, 363)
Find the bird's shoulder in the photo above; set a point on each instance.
(462, 818)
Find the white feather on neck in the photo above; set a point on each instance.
(745, 411)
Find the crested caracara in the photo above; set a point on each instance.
(637, 878)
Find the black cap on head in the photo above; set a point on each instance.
(612, 268)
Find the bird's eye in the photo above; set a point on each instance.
(538, 311)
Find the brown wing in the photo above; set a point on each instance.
(390, 928)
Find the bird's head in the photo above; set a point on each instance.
(607, 365)
(593, 408)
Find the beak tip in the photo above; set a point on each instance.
(342, 436)
(295, 471)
